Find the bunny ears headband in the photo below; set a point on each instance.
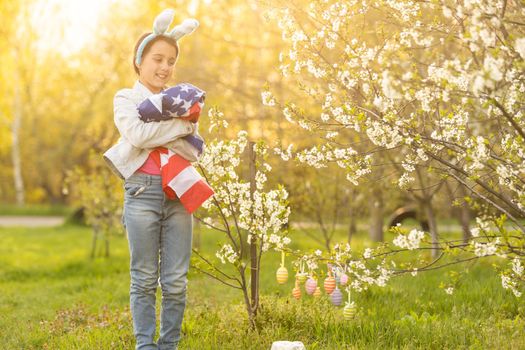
(160, 27)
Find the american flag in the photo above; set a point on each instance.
(180, 179)
(183, 101)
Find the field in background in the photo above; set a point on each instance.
(54, 297)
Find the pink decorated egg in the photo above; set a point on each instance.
(343, 279)
(310, 286)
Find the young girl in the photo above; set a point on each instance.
(159, 228)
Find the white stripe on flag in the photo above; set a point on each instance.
(156, 100)
(184, 180)
(164, 157)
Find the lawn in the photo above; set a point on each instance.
(36, 209)
(54, 297)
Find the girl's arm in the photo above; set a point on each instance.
(188, 150)
(184, 149)
(145, 135)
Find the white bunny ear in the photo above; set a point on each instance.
(163, 21)
(186, 27)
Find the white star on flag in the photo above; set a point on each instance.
(176, 100)
(186, 105)
(184, 88)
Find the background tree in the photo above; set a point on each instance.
(99, 193)
(438, 84)
(250, 216)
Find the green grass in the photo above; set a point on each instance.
(35, 209)
(54, 297)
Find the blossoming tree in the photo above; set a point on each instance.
(439, 85)
(243, 210)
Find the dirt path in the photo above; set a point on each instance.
(31, 221)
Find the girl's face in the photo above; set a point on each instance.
(157, 65)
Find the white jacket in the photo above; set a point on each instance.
(138, 138)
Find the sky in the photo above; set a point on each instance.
(67, 25)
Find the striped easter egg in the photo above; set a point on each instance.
(336, 297)
(310, 286)
(317, 292)
(349, 311)
(343, 279)
(329, 284)
(282, 275)
(296, 293)
(301, 277)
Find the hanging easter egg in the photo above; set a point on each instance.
(296, 293)
(329, 284)
(349, 311)
(343, 279)
(301, 277)
(336, 297)
(310, 286)
(282, 275)
(317, 292)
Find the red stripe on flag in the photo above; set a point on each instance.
(168, 191)
(197, 194)
(175, 165)
(194, 113)
(169, 171)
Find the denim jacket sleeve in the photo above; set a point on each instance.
(145, 135)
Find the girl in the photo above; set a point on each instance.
(159, 229)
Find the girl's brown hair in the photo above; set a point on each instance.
(167, 39)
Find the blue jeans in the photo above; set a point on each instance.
(157, 227)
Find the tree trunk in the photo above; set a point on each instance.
(15, 150)
(254, 275)
(94, 242)
(106, 238)
(426, 205)
(464, 215)
(465, 218)
(352, 228)
(197, 227)
(247, 302)
(376, 215)
(431, 217)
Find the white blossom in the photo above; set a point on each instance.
(484, 249)
(267, 98)
(520, 47)
(517, 267)
(410, 241)
(227, 253)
